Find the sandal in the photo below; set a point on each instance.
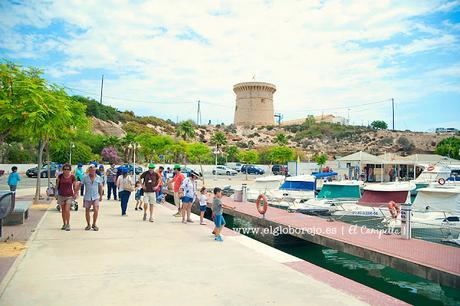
(95, 227)
(87, 228)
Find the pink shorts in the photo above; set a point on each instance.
(88, 204)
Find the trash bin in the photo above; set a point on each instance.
(7, 200)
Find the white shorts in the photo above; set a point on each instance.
(150, 197)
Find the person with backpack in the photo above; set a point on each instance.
(151, 183)
(125, 186)
(67, 188)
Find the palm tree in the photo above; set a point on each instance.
(219, 139)
(186, 130)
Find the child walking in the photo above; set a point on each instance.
(203, 204)
(13, 178)
(139, 195)
(217, 210)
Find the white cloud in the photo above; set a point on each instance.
(311, 50)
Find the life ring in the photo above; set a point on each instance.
(394, 209)
(262, 210)
(430, 168)
(441, 181)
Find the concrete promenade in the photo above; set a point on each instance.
(130, 262)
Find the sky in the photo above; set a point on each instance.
(347, 58)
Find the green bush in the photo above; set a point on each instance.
(98, 110)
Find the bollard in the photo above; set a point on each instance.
(406, 221)
(244, 191)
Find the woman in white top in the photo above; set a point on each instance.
(188, 189)
(125, 187)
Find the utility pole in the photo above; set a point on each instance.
(198, 114)
(393, 111)
(102, 88)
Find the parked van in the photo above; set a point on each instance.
(234, 166)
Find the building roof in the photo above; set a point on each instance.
(362, 157)
(431, 159)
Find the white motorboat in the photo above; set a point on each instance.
(331, 194)
(264, 185)
(373, 205)
(435, 213)
(294, 189)
(433, 174)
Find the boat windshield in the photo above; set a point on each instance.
(378, 198)
(267, 185)
(298, 185)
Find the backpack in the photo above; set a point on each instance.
(127, 185)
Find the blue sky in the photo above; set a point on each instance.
(160, 57)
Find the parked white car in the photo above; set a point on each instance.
(235, 166)
(223, 170)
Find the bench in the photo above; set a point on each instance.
(19, 214)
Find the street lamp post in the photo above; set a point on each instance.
(216, 151)
(134, 146)
(72, 145)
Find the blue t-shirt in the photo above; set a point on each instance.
(91, 188)
(13, 179)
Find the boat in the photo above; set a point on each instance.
(296, 189)
(331, 194)
(435, 213)
(264, 185)
(434, 174)
(373, 205)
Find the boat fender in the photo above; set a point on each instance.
(394, 209)
(441, 181)
(430, 168)
(262, 210)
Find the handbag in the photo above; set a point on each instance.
(127, 185)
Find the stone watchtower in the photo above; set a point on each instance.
(254, 103)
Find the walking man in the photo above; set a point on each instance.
(151, 182)
(93, 195)
(111, 176)
(178, 178)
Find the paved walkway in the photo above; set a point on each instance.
(130, 262)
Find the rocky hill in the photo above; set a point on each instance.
(332, 139)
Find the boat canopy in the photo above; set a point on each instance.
(300, 182)
(318, 175)
(336, 191)
(378, 198)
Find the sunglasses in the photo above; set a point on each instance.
(66, 169)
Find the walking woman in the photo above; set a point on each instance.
(67, 187)
(125, 186)
(189, 190)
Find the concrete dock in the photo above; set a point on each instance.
(131, 262)
(435, 262)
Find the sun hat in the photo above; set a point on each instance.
(195, 174)
(176, 167)
(151, 166)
